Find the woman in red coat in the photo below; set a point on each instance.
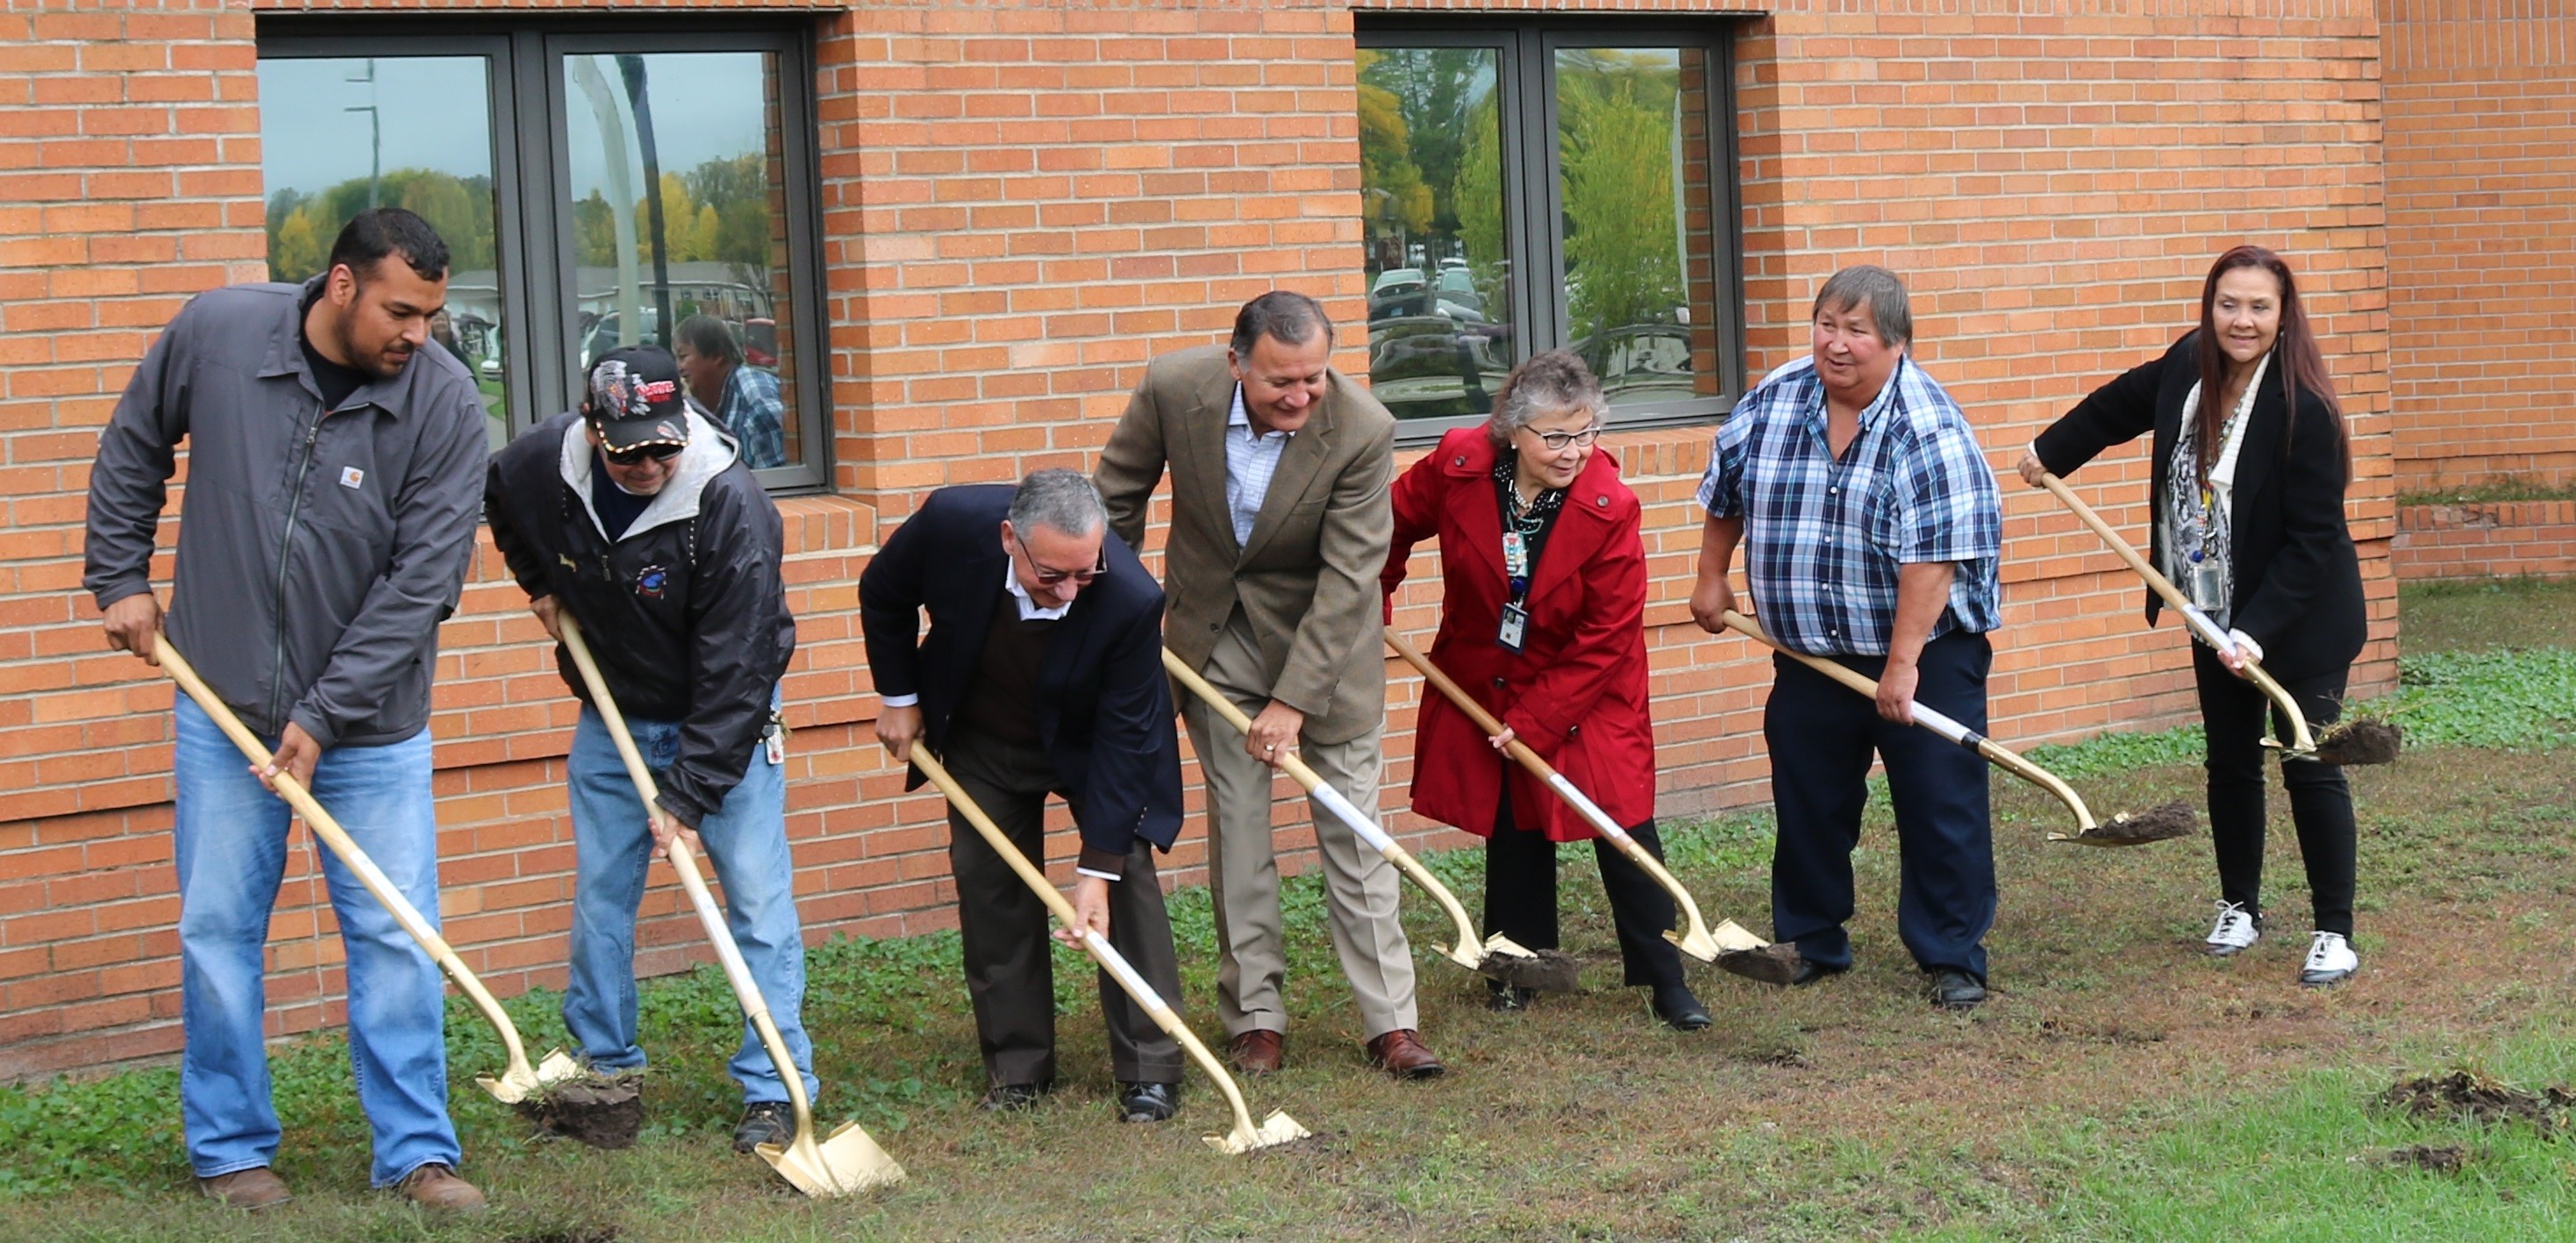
(1542, 618)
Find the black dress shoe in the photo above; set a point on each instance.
(765, 1122)
(1679, 1010)
(1811, 971)
(1956, 990)
(1148, 1102)
(1013, 1097)
(1504, 998)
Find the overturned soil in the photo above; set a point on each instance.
(1776, 963)
(2476, 1098)
(2156, 824)
(2441, 1158)
(602, 1111)
(2364, 741)
(1548, 971)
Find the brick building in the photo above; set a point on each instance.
(954, 230)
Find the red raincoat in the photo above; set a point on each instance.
(1576, 691)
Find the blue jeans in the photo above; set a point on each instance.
(231, 847)
(746, 840)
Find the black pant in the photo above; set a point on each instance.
(1010, 968)
(1520, 896)
(1821, 736)
(2234, 712)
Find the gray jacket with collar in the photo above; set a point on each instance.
(318, 549)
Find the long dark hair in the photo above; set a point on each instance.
(2295, 359)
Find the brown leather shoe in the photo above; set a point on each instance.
(1257, 1052)
(1402, 1054)
(254, 1188)
(434, 1186)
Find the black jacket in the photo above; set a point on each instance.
(318, 550)
(685, 613)
(1105, 703)
(2297, 579)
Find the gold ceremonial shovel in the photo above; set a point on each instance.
(850, 1160)
(1497, 956)
(1247, 1135)
(519, 1081)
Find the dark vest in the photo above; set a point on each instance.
(1001, 701)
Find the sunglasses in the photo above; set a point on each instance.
(1081, 578)
(640, 454)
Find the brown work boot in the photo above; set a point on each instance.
(434, 1186)
(255, 1188)
(1402, 1054)
(1257, 1052)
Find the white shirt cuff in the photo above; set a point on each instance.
(1083, 871)
(900, 701)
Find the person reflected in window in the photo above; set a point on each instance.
(745, 399)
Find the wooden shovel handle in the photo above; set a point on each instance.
(346, 848)
(2301, 742)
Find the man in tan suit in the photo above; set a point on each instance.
(1280, 523)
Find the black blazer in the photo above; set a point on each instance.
(2297, 579)
(1105, 703)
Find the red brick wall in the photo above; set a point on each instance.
(1022, 204)
(2481, 136)
(2459, 542)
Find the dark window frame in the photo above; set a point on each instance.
(1525, 83)
(525, 53)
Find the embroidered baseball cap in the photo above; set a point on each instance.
(635, 399)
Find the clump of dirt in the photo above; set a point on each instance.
(601, 1110)
(1776, 963)
(2365, 740)
(585, 1234)
(1548, 971)
(2443, 1159)
(2468, 1095)
(2156, 824)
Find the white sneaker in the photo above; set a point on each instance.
(2330, 961)
(2236, 930)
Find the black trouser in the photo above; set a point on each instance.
(1010, 969)
(1520, 896)
(1821, 736)
(2234, 712)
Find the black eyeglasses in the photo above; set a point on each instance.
(1557, 441)
(659, 452)
(1047, 577)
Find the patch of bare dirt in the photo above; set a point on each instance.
(2472, 1097)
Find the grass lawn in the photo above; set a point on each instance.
(2120, 1085)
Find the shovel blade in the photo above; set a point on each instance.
(1696, 942)
(846, 1164)
(518, 1083)
(1731, 935)
(1274, 1130)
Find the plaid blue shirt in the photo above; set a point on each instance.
(1824, 538)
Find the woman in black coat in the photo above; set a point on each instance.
(2249, 524)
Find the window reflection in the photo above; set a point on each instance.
(678, 228)
(1432, 206)
(339, 135)
(1633, 157)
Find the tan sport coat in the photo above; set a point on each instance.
(1308, 579)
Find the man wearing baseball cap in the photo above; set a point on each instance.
(637, 515)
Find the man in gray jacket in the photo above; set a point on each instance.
(335, 473)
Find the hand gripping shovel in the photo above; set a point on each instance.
(2353, 742)
(1497, 956)
(1278, 1128)
(519, 1082)
(850, 1160)
(1730, 946)
(2157, 824)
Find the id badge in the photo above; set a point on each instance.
(774, 744)
(1514, 629)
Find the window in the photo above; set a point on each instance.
(598, 185)
(1547, 185)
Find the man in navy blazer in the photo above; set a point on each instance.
(1042, 673)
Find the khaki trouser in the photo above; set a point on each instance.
(1359, 884)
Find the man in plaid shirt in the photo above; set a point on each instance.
(1875, 529)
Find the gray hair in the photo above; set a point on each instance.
(1060, 500)
(1549, 382)
(1283, 315)
(1873, 286)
